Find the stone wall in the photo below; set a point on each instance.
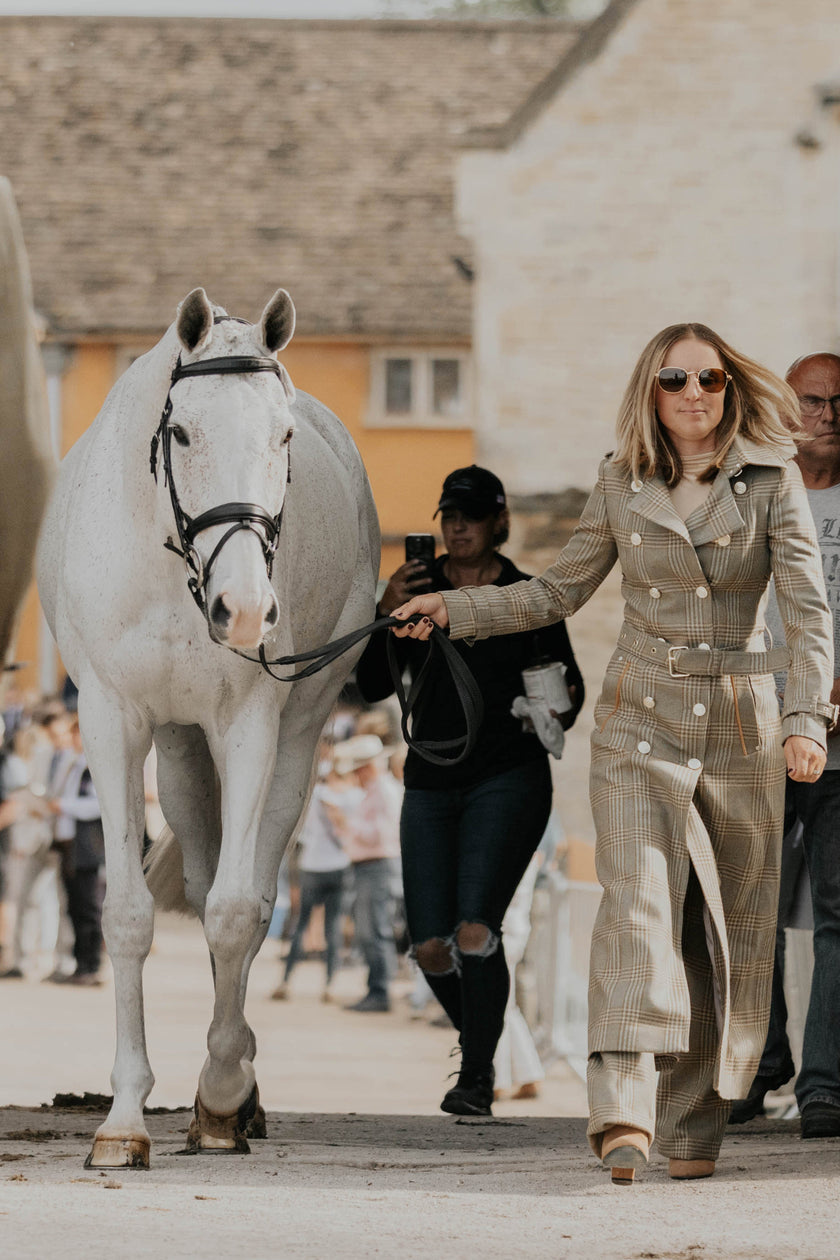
(686, 172)
(680, 166)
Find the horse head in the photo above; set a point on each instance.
(226, 431)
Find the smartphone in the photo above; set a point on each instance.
(421, 547)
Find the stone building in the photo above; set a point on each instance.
(681, 161)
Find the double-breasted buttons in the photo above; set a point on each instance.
(635, 486)
(636, 540)
(740, 487)
(699, 710)
(654, 592)
(724, 540)
(701, 592)
(643, 746)
(695, 764)
(648, 702)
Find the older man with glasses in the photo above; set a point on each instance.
(815, 378)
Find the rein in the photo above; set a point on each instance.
(267, 528)
(466, 688)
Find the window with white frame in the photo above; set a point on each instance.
(421, 389)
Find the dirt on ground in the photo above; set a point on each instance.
(357, 1186)
(358, 1161)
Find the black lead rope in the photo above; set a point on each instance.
(466, 688)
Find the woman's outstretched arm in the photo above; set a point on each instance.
(476, 612)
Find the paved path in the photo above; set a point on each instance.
(408, 1182)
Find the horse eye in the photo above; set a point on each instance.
(288, 437)
(180, 435)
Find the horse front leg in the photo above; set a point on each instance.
(236, 914)
(116, 741)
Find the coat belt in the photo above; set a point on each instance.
(682, 661)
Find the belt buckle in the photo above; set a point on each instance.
(672, 665)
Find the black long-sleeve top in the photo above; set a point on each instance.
(496, 664)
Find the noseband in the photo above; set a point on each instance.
(248, 516)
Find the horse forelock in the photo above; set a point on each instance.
(230, 337)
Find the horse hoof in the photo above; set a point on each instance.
(256, 1126)
(108, 1152)
(220, 1134)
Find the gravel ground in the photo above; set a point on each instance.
(345, 1171)
(412, 1186)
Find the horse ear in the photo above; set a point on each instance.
(277, 322)
(195, 320)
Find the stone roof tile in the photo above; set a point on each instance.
(151, 155)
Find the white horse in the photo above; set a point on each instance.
(152, 658)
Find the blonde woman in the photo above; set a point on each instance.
(699, 503)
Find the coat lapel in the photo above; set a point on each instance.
(654, 502)
(717, 515)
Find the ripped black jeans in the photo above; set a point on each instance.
(464, 852)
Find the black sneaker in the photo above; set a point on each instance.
(472, 1096)
(820, 1120)
(753, 1105)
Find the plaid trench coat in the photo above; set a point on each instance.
(687, 772)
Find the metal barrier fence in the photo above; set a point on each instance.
(552, 981)
(555, 975)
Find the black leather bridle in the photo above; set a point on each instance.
(240, 516)
(267, 528)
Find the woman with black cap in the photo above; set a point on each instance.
(468, 831)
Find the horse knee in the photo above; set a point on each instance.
(128, 930)
(476, 939)
(230, 925)
(435, 957)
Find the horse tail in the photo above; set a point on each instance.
(165, 874)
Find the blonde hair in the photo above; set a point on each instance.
(757, 404)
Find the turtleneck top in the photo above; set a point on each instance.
(690, 492)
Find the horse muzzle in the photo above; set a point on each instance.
(240, 622)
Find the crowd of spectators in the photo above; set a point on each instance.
(51, 846)
(340, 899)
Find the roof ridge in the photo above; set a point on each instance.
(586, 48)
(521, 25)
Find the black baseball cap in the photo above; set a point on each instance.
(476, 491)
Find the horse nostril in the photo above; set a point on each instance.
(272, 614)
(219, 613)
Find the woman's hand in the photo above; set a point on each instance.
(805, 759)
(403, 584)
(424, 612)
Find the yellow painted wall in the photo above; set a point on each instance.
(90, 374)
(406, 466)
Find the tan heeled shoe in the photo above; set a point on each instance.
(623, 1150)
(690, 1169)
